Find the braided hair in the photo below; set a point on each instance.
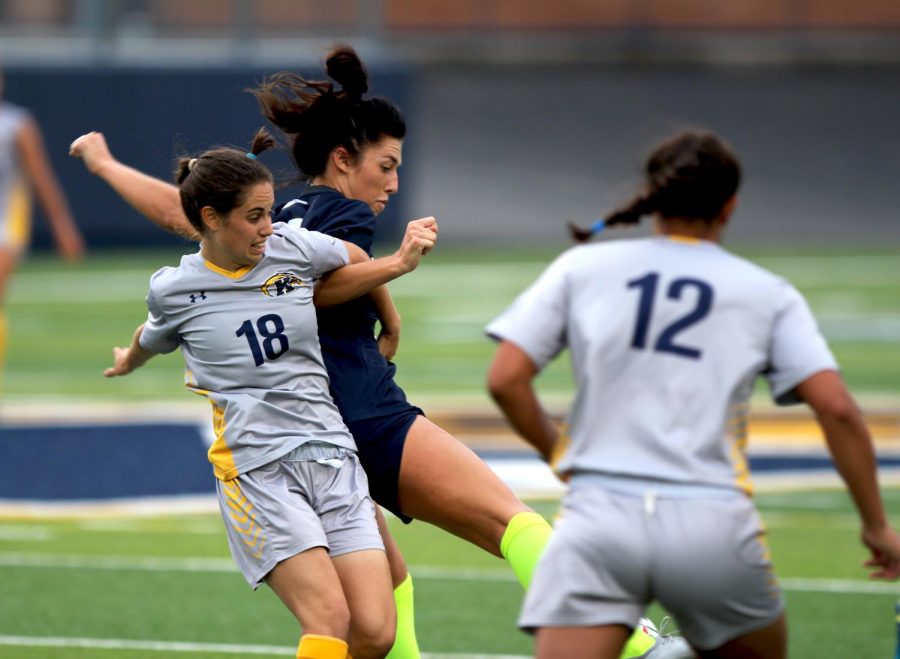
(691, 175)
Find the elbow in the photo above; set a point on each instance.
(510, 374)
(840, 410)
(502, 384)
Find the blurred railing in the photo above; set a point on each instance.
(76, 28)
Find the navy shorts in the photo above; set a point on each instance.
(380, 443)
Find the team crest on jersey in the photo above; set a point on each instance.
(281, 284)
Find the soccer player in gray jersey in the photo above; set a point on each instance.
(667, 335)
(24, 166)
(291, 491)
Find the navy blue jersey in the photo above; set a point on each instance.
(362, 380)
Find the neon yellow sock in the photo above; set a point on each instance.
(315, 646)
(523, 543)
(406, 646)
(638, 643)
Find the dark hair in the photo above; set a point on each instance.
(317, 119)
(220, 177)
(691, 175)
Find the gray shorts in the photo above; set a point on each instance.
(296, 503)
(704, 559)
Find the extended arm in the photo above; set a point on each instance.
(510, 382)
(48, 191)
(125, 360)
(854, 456)
(363, 275)
(153, 198)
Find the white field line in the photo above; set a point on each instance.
(158, 646)
(437, 573)
(180, 646)
(529, 479)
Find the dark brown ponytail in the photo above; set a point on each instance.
(691, 175)
(316, 117)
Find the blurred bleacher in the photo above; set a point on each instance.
(425, 30)
(523, 114)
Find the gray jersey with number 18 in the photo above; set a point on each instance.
(250, 345)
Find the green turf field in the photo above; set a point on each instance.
(165, 586)
(64, 320)
(169, 580)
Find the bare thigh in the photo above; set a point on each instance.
(444, 483)
(366, 582)
(767, 643)
(310, 588)
(604, 642)
(395, 558)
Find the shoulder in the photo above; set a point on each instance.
(13, 116)
(598, 255)
(290, 210)
(291, 236)
(169, 278)
(327, 210)
(765, 281)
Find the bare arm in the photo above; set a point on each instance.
(153, 198)
(125, 360)
(364, 275)
(48, 191)
(854, 456)
(389, 319)
(510, 383)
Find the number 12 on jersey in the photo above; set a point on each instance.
(275, 341)
(665, 342)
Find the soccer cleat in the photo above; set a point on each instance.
(668, 646)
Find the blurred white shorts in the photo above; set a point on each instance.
(704, 559)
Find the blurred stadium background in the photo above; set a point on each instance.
(523, 115)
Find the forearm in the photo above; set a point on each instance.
(510, 383)
(125, 360)
(137, 354)
(387, 312)
(527, 417)
(854, 457)
(351, 281)
(53, 201)
(848, 442)
(43, 179)
(153, 198)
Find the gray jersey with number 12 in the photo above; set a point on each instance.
(667, 337)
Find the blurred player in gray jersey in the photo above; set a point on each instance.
(24, 167)
(293, 496)
(667, 335)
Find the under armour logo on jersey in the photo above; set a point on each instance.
(281, 284)
(199, 296)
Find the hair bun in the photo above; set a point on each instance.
(344, 67)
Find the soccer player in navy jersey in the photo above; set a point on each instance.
(291, 491)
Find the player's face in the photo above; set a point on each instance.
(241, 238)
(373, 178)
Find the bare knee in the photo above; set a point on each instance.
(372, 641)
(330, 617)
